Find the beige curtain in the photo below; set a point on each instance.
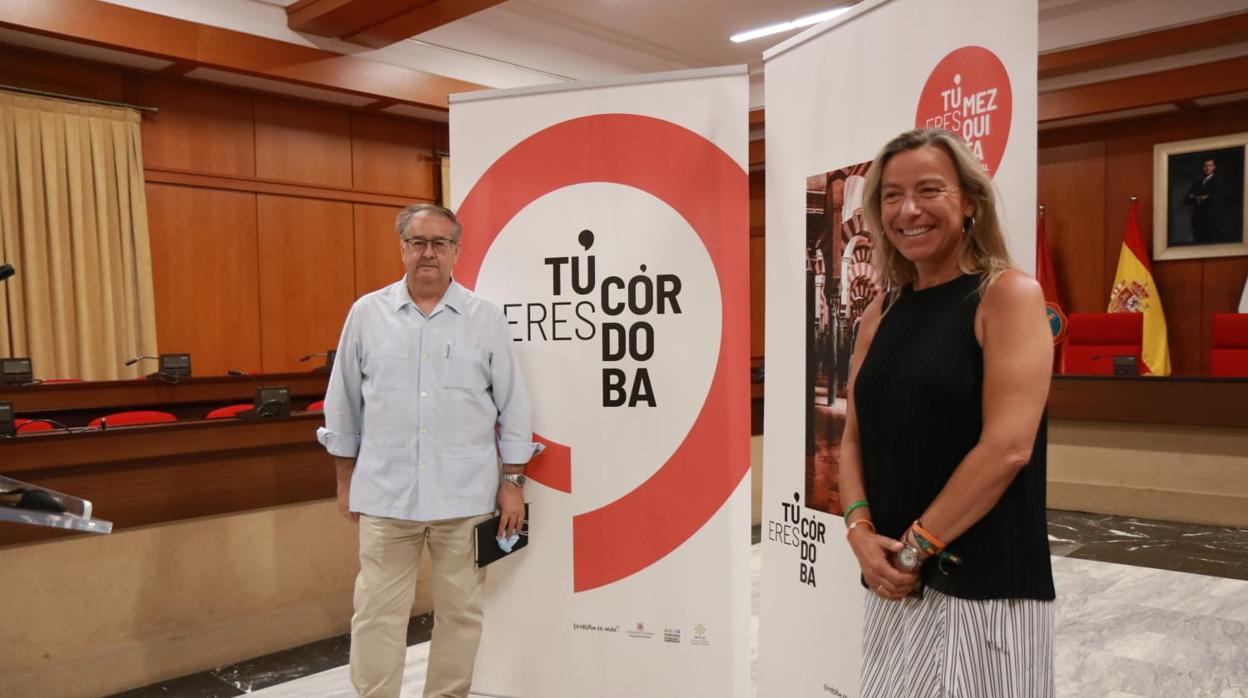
(445, 163)
(73, 220)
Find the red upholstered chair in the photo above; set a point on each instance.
(24, 426)
(118, 419)
(1228, 353)
(1094, 339)
(318, 406)
(229, 411)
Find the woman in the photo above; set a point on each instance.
(943, 455)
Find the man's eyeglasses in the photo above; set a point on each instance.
(418, 245)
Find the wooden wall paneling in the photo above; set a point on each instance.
(1230, 118)
(205, 276)
(254, 186)
(758, 152)
(758, 209)
(1071, 185)
(377, 261)
(1181, 286)
(394, 156)
(200, 128)
(303, 143)
(37, 70)
(307, 277)
(1224, 279)
(758, 295)
(758, 249)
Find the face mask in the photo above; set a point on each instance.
(506, 544)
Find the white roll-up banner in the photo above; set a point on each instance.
(610, 222)
(835, 95)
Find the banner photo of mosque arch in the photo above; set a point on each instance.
(840, 284)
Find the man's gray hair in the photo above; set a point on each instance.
(406, 215)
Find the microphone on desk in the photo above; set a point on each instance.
(6, 270)
(271, 400)
(172, 367)
(329, 360)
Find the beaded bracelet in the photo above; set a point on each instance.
(852, 507)
(924, 538)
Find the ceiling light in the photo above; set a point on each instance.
(786, 26)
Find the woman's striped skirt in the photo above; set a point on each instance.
(941, 645)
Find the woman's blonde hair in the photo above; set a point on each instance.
(984, 252)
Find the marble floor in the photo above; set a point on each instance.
(1145, 608)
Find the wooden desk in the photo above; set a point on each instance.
(76, 404)
(1178, 400)
(165, 472)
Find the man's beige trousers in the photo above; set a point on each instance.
(389, 557)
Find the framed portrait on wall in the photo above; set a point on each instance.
(1199, 203)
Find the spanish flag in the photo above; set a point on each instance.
(1135, 291)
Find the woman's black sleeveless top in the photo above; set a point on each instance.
(919, 404)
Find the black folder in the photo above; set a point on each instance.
(486, 539)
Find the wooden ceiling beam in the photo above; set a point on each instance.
(1166, 42)
(378, 23)
(1167, 86)
(113, 26)
(340, 18)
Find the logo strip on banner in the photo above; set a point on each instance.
(710, 191)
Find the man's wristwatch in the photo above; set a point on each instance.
(516, 479)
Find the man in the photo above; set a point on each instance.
(423, 376)
(1200, 196)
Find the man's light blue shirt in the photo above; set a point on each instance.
(415, 399)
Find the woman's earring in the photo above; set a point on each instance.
(968, 224)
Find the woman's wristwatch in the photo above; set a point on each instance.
(909, 559)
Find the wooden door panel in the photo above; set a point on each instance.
(392, 156)
(306, 277)
(377, 262)
(1071, 186)
(200, 128)
(303, 143)
(204, 273)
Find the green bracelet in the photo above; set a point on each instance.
(861, 503)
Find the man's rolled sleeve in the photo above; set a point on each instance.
(518, 452)
(344, 399)
(338, 444)
(511, 397)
